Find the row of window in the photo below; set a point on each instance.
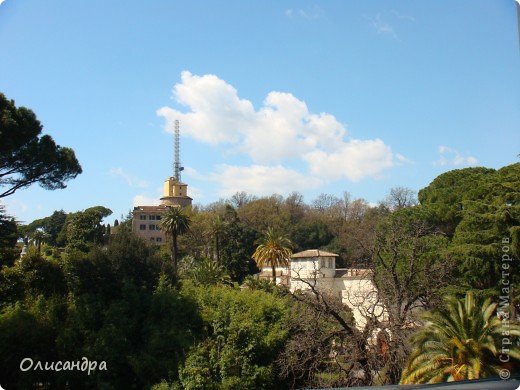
(150, 217)
(150, 227)
(156, 239)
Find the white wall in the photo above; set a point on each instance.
(307, 267)
(355, 289)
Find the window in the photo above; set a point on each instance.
(151, 227)
(159, 239)
(142, 216)
(152, 217)
(158, 217)
(142, 227)
(152, 238)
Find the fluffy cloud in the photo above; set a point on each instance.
(282, 129)
(261, 180)
(449, 156)
(355, 160)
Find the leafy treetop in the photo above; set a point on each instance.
(26, 156)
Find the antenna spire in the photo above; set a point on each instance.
(176, 149)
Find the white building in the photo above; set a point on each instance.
(318, 268)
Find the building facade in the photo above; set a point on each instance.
(317, 268)
(175, 193)
(146, 219)
(145, 223)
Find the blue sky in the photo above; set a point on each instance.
(273, 96)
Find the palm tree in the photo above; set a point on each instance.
(217, 228)
(174, 223)
(274, 250)
(38, 237)
(207, 271)
(463, 341)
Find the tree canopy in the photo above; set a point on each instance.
(26, 156)
(215, 325)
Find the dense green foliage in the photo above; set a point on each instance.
(83, 229)
(480, 209)
(8, 238)
(190, 315)
(109, 304)
(243, 333)
(52, 226)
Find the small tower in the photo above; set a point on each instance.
(175, 192)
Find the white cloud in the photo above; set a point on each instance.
(450, 156)
(405, 17)
(131, 180)
(261, 180)
(193, 173)
(355, 160)
(1, 1)
(144, 200)
(310, 13)
(401, 160)
(381, 26)
(282, 129)
(195, 192)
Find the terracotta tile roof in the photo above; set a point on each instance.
(313, 253)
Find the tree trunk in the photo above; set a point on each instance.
(274, 273)
(217, 248)
(174, 253)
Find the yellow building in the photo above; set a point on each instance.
(175, 193)
(146, 219)
(145, 223)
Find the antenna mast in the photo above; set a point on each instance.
(176, 149)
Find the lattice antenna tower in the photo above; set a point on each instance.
(177, 168)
